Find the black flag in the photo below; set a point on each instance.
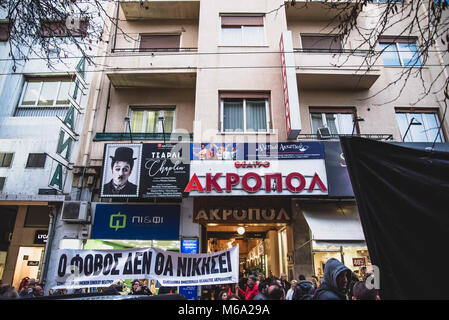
(403, 200)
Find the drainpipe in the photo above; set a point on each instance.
(51, 231)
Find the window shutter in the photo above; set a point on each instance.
(321, 42)
(159, 42)
(237, 21)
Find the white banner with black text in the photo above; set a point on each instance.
(100, 268)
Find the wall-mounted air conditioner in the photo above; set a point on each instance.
(75, 211)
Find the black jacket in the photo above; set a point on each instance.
(130, 189)
(304, 290)
(329, 289)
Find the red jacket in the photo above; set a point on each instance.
(249, 294)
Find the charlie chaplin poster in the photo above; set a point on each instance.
(121, 170)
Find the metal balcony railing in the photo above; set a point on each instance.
(154, 50)
(337, 51)
(373, 136)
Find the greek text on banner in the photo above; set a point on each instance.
(100, 268)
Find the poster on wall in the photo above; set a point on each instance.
(121, 170)
(150, 170)
(165, 170)
(100, 268)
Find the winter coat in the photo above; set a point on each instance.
(305, 290)
(329, 289)
(260, 296)
(250, 293)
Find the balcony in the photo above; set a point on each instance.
(334, 69)
(318, 10)
(132, 67)
(160, 9)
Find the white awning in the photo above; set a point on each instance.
(333, 222)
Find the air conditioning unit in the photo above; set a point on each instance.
(75, 211)
(324, 133)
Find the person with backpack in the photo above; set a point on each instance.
(305, 289)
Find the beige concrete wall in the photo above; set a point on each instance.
(254, 69)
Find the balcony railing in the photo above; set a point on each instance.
(357, 52)
(373, 136)
(154, 50)
(126, 136)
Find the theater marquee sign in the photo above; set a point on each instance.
(244, 211)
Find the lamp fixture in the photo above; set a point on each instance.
(240, 230)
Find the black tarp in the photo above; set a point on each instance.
(403, 200)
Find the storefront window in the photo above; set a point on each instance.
(37, 216)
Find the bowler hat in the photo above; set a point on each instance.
(123, 154)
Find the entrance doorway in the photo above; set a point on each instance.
(28, 264)
(262, 249)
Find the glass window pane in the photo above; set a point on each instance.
(390, 56)
(409, 54)
(31, 93)
(403, 124)
(417, 131)
(253, 36)
(233, 115)
(168, 122)
(137, 121)
(256, 116)
(331, 120)
(152, 118)
(231, 36)
(317, 122)
(345, 123)
(48, 93)
(432, 126)
(63, 95)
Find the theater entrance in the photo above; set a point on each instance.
(262, 248)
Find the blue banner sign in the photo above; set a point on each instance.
(189, 246)
(136, 222)
(257, 151)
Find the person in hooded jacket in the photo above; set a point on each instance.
(335, 281)
(305, 289)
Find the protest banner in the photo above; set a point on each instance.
(100, 268)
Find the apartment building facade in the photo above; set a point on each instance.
(41, 116)
(228, 115)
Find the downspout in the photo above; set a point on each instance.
(51, 232)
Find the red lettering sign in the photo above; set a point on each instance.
(273, 181)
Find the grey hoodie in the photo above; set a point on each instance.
(329, 289)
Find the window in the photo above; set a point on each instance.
(2, 183)
(249, 114)
(157, 42)
(5, 29)
(37, 216)
(320, 43)
(147, 120)
(400, 52)
(240, 30)
(44, 97)
(5, 160)
(36, 160)
(59, 29)
(339, 121)
(425, 128)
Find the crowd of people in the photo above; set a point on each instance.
(338, 283)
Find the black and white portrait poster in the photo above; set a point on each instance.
(165, 170)
(121, 170)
